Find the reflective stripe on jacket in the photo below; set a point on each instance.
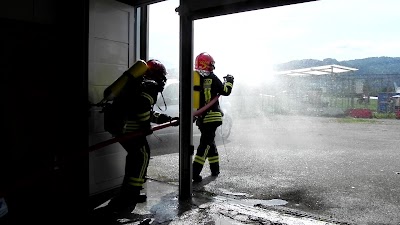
(141, 112)
(212, 86)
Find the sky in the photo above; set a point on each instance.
(245, 43)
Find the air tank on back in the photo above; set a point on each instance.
(136, 70)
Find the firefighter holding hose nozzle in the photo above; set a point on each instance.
(208, 87)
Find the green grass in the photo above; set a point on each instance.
(346, 104)
(355, 120)
(372, 105)
(366, 120)
(384, 115)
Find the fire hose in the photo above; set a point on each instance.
(148, 132)
(30, 180)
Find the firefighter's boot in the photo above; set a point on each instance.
(197, 167)
(214, 167)
(142, 197)
(125, 201)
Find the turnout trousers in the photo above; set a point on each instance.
(207, 150)
(137, 161)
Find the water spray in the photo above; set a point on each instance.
(223, 140)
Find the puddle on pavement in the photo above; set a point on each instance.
(252, 202)
(234, 193)
(271, 202)
(225, 221)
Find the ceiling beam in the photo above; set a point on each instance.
(139, 3)
(199, 9)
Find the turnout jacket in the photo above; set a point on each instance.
(138, 98)
(211, 86)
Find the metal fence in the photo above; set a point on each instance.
(321, 96)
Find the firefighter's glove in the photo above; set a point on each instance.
(229, 78)
(175, 120)
(148, 131)
(199, 122)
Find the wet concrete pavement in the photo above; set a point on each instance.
(330, 167)
(328, 171)
(164, 207)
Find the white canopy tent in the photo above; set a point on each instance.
(319, 70)
(308, 85)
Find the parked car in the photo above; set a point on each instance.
(170, 106)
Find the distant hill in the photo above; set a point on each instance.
(367, 66)
(380, 74)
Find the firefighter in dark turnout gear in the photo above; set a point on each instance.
(137, 100)
(211, 119)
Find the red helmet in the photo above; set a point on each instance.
(204, 62)
(156, 70)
